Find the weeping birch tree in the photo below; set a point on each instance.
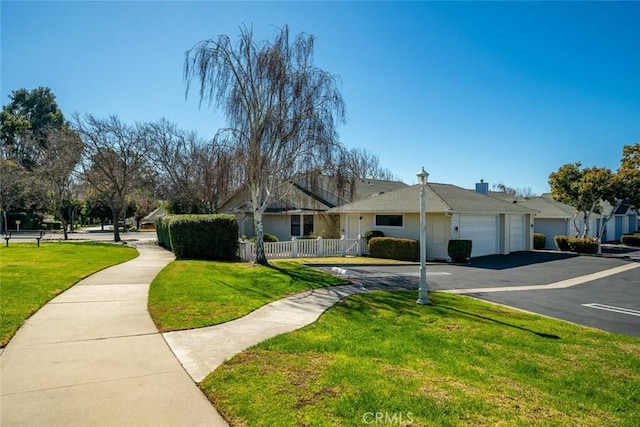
(281, 109)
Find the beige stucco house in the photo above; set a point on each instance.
(301, 209)
(495, 226)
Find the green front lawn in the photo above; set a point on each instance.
(193, 294)
(380, 357)
(32, 276)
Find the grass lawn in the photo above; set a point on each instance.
(193, 294)
(32, 276)
(380, 357)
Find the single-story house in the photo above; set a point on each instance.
(552, 218)
(495, 226)
(623, 221)
(301, 209)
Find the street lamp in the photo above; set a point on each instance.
(423, 297)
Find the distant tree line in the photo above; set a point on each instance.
(103, 168)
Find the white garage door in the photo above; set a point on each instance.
(517, 233)
(550, 228)
(482, 230)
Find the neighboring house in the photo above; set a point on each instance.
(494, 226)
(149, 221)
(624, 221)
(552, 218)
(300, 209)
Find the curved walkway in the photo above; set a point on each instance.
(92, 356)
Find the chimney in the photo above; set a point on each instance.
(482, 187)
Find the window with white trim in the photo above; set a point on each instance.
(389, 220)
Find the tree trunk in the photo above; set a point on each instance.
(115, 213)
(586, 224)
(261, 257)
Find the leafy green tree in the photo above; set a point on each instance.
(25, 123)
(630, 173)
(586, 188)
(281, 110)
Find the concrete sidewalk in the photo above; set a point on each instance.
(92, 356)
(202, 350)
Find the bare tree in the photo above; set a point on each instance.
(195, 176)
(360, 163)
(281, 110)
(55, 171)
(113, 160)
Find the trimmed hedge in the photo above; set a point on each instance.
(28, 221)
(372, 233)
(212, 237)
(162, 231)
(562, 243)
(585, 245)
(539, 241)
(631, 240)
(459, 250)
(394, 248)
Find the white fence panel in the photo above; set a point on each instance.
(306, 248)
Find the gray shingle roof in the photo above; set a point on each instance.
(548, 208)
(440, 198)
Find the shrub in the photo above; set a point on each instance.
(539, 241)
(562, 243)
(51, 225)
(267, 238)
(394, 248)
(28, 221)
(373, 233)
(631, 240)
(270, 238)
(162, 231)
(583, 245)
(459, 250)
(212, 237)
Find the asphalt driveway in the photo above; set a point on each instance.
(600, 292)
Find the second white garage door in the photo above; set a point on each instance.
(516, 238)
(482, 230)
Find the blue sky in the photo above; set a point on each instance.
(501, 91)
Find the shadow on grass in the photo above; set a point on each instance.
(540, 334)
(312, 278)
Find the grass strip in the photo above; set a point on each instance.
(192, 294)
(381, 358)
(32, 276)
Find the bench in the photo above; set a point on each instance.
(27, 235)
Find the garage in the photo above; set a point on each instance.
(482, 230)
(550, 227)
(517, 235)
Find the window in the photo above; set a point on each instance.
(295, 225)
(308, 225)
(389, 221)
(301, 225)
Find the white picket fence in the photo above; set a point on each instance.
(306, 248)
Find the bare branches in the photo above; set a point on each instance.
(281, 110)
(113, 159)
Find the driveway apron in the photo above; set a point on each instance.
(92, 356)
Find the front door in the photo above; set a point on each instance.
(353, 226)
